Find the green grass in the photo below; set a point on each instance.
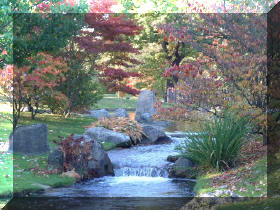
(203, 183)
(267, 203)
(252, 182)
(6, 174)
(112, 101)
(6, 127)
(58, 125)
(6, 162)
(25, 180)
(273, 187)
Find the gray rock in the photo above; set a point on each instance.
(234, 195)
(154, 133)
(55, 159)
(145, 106)
(99, 113)
(177, 134)
(121, 112)
(183, 162)
(159, 123)
(173, 158)
(146, 117)
(86, 137)
(183, 168)
(105, 135)
(10, 140)
(30, 139)
(97, 163)
(100, 163)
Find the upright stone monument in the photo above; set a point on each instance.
(145, 106)
(30, 139)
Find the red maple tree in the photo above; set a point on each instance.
(107, 33)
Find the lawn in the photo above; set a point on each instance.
(247, 179)
(6, 174)
(254, 204)
(273, 190)
(112, 101)
(6, 161)
(29, 181)
(25, 180)
(5, 130)
(58, 125)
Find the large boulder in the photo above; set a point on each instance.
(154, 134)
(85, 137)
(99, 113)
(30, 139)
(92, 161)
(100, 163)
(145, 117)
(121, 112)
(102, 134)
(183, 168)
(145, 106)
(55, 159)
(173, 158)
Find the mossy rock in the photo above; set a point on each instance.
(108, 146)
(183, 168)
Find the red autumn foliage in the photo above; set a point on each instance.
(105, 34)
(34, 84)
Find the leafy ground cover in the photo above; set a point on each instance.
(29, 174)
(248, 178)
(260, 204)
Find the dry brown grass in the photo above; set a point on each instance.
(124, 125)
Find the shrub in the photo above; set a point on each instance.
(76, 154)
(219, 142)
(57, 102)
(125, 125)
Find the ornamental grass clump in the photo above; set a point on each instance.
(124, 125)
(219, 143)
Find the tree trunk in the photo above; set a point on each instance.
(265, 139)
(29, 107)
(32, 114)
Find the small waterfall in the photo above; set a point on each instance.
(143, 171)
(144, 161)
(140, 171)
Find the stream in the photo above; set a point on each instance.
(140, 172)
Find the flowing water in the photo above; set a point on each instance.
(140, 171)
